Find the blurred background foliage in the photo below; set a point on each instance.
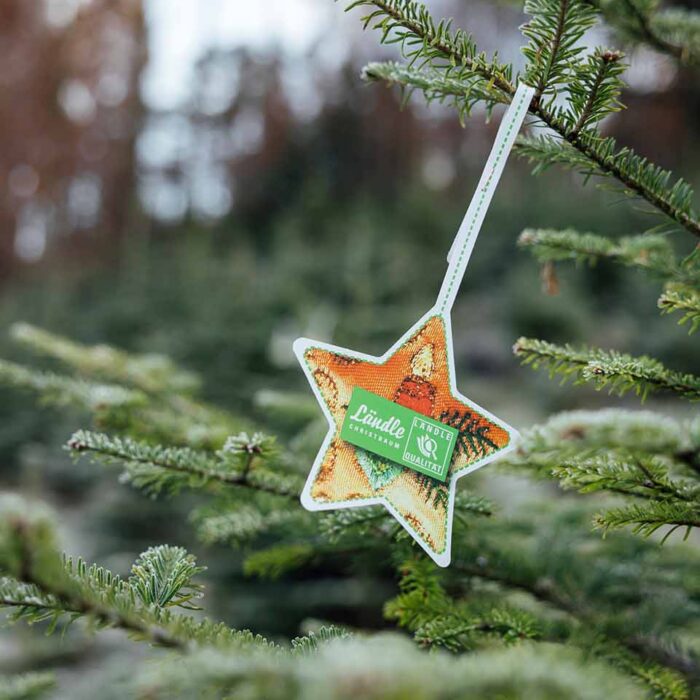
(209, 180)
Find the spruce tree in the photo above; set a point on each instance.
(540, 605)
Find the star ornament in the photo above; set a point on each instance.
(417, 373)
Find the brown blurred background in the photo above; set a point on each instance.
(121, 115)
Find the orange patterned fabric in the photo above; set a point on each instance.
(417, 376)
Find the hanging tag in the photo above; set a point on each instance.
(400, 434)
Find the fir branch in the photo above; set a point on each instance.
(668, 502)
(334, 526)
(150, 373)
(517, 573)
(340, 532)
(422, 597)
(554, 33)
(462, 94)
(274, 562)
(662, 682)
(49, 600)
(240, 524)
(591, 155)
(424, 608)
(438, 620)
(674, 31)
(155, 468)
(285, 407)
(585, 434)
(626, 474)
(468, 503)
(541, 589)
(644, 27)
(649, 458)
(595, 88)
(385, 667)
(686, 301)
(461, 629)
(617, 372)
(651, 253)
(244, 449)
(26, 686)
(162, 576)
(312, 642)
(45, 601)
(645, 519)
(39, 585)
(679, 27)
(580, 433)
(63, 391)
(165, 414)
(410, 25)
(455, 55)
(564, 575)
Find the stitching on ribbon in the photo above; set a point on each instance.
(515, 123)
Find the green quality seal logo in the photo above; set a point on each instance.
(399, 434)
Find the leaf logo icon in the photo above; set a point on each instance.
(427, 446)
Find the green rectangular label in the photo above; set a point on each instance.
(399, 434)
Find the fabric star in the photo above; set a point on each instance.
(417, 372)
